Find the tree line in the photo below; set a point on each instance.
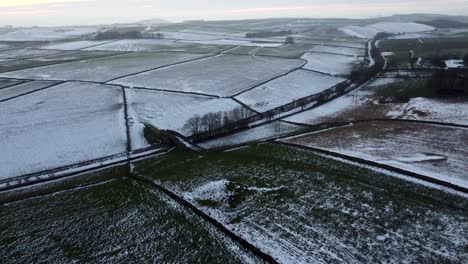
(132, 34)
(267, 34)
(214, 121)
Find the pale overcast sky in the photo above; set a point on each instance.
(85, 12)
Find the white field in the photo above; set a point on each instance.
(44, 34)
(24, 88)
(322, 113)
(102, 69)
(239, 42)
(333, 64)
(430, 150)
(188, 36)
(339, 50)
(74, 45)
(360, 32)
(222, 75)
(26, 53)
(287, 89)
(170, 111)
(259, 133)
(63, 125)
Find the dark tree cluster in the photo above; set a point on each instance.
(214, 121)
(132, 34)
(449, 83)
(465, 60)
(267, 34)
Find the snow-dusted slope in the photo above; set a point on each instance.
(370, 31)
(41, 34)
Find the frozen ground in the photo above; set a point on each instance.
(339, 50)
(74, 45)
(168, 111)
(158, 45)
(59, 126)
(333, 64)
(103, 69)
(25, 88)
(122, 221)
(45, 34)
(222, 75)
(189, 36)
(303, 208)
(284, 90)
(238, 42)
(259, 133)
(408, 146)
(26, 53)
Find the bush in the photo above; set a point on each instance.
(289, 40)
(465, 60)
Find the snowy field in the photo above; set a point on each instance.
(330, 63)
(45, 34)
(158, 45)
(371, 31)
(339, 50)
(9, 82)
(63, 125)
(29, 87)
(238, 42)
(168, 111)
(259, 133)
(26, 53)
(431, 150)
(286, 89)
(303, 208)
(74, 45)
(188, 36)
(103, 69)
(222, 75)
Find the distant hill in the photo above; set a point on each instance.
(155, 21)
(444, 23)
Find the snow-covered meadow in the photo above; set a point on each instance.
(46, 34)
(333, 64)
(286, 89)
(222, 75)
(60, 126)
(103, 69)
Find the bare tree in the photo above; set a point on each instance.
(194, 124)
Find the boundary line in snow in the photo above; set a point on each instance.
(31, 92)
(304, 62)
(22, 81)
(75, 169)
(172, 91)
(184, 203)
(379, 165)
